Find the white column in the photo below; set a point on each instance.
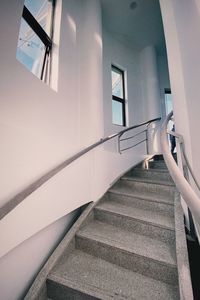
(150, 83)
(91, 104)
(151, 95)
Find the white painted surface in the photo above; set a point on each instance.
(150, 83)
(20, 266)
(151, 94)
(40, 128)
(183, 48)
(164, 82)
(128, 60)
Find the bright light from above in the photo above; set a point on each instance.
(72, 24)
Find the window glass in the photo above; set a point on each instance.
(41, 10)
(35, 37)
(117, 113)
(118, 97)
(30, 49)
(117, 83)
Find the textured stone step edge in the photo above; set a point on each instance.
(184, 277)
(146, 173)
(129, 260)
(142, 196)
(147, 185)
(141, 168)
(38, 289)
(146, 188)
(153, 230)
(73, 284)
(148, 180)
(72, 288)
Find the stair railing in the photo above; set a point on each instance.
(190, 197)
(138, 134)
(18, 198)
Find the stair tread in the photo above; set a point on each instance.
(160, 170)
(129, 241)
(148, 180)
(156, 164)
(150, 216)
(123, 190)
(103, 280)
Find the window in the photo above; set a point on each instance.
(35, 37)
(118, 97)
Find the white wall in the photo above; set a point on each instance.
(164, 82)
(20, 266)
(142, 88)
(114, 52)
(182, 32)
(183, 46)
(40, 128)
(150, 82)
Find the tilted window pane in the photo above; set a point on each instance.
(41, 10)
(117, 83)
(30, 49)
(117, 113)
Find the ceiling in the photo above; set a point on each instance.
(136, 28)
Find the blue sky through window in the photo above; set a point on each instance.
(39, 9)
(117, 113)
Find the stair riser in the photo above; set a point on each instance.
(57, 291)
(160, 165)
(125, 259)
(154, 175)
(157, 165)
(143, 203)
(147, 188)
(137, 226)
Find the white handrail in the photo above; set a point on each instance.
(188, 194)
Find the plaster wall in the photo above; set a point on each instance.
(141, 87)
(40, 128)
(20, 266)
(164, 82)
(127, 59)
(183, 45)
(181, 26)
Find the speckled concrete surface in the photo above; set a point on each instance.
(155, 174)
(129, 250)
(102, 280)
(140, 220)
(124, 247)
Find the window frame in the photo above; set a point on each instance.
(119, 99)
(43, 36)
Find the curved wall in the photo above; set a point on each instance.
(40, 128)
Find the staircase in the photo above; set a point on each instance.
(125, 248)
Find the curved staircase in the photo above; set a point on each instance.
(125, 247)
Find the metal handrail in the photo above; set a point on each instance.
(191, 198)
(131, 137)
(13, 202)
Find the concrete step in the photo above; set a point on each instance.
(158, 157)
(148, 180)
(85, 277)
(157, 164)
(154, 164)
(136, 199)
(139, 220)
(151, 175)
(127, 249)
(146, 188)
